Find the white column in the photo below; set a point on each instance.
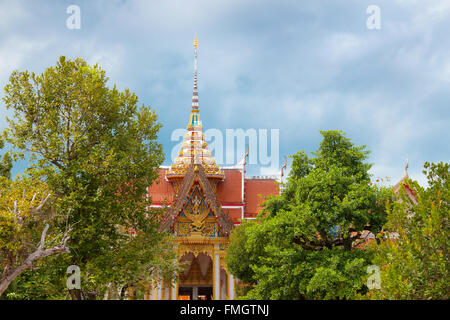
(159, 290)
(174, 281)
(231, 286)
(217, 277)
(195, 293)
(174, 290)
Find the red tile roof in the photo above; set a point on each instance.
(255, 191)
(229, 192)
(233, 213)
(162, 190)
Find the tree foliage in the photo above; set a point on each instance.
(303, 245)
(98, 152)
(413, 254)
(5, 163)
(25, 219)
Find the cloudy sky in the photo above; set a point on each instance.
(296, 66)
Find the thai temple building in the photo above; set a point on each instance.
(203, 203)
(368, 236)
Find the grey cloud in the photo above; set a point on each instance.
(295, 65)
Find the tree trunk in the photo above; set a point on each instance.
(76, 294)
(12, 273)
(27, 264)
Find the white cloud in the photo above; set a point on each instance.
(433, 11)
(110, 59)
(282, 67)
(11, 12)
(15, 50)
(342, 47)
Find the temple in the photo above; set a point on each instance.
(203, 203)
(367, 236)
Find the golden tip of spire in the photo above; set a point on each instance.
(195, 42)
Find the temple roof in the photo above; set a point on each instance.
(239, 196)
(196, 173)
(229, 195)
(404, 182)
(194, 148)
(404, 178)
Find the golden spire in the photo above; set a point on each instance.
(194, 148)
(195, 42)
(194, 119)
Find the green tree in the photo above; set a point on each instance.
(98, 152)
(5, 163)
(413, 255)
(303, 245)
(242, 257)
(25, 219)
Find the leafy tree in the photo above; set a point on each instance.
(5, 163)
(413, 255)
(303, 245)
(239, 256)
(25, 219)
(98, 152)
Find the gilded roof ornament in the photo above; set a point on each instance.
(194, 149)
(195, 42)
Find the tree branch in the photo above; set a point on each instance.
(43, 235)
(11, 273)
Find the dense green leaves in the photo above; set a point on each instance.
(20, 227)
(303, 245)
(5, 163)
(98, 152)
(28, 228)
(413, 255)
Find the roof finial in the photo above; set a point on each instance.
(194, 118)
(283, 167)
(195, 41)
(405, 174)
(195, 91)
(244, 161)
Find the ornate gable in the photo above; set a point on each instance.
(197, 210)
(196, 219)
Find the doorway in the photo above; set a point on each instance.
(195, 293)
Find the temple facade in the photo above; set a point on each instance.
(203, 203)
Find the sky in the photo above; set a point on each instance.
(296, 66)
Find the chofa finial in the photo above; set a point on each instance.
(405, 174)
(283, 167)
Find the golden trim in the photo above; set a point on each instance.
(195, 42)
(195, 249)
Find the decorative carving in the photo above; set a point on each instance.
(225, 222)
(209, 229)
(186, 229)
(195, 249)
(196, 209)
(183, 229)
